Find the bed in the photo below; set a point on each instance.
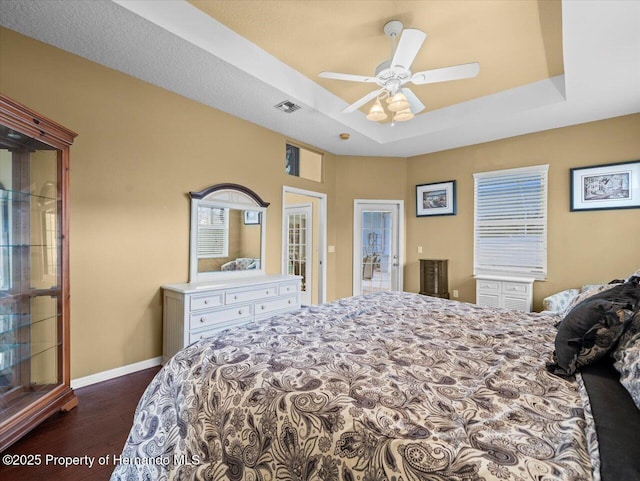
(387, 386)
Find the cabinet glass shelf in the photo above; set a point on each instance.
(14, 354)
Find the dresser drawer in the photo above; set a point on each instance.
(206, 301)
(264, 307)
(217, 316)
(515, 288)
(212, 331)
(198, 335)
(489, 300)
(488, 285)
(244, 295)
(289, 288)
(517, 302)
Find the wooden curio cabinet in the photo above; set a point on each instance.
(34, 270)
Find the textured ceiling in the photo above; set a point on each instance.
(543, 64)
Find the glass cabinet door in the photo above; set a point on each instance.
(30, 274)
(34, 270)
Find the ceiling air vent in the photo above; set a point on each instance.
(287, 106)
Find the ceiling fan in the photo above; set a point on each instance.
(391, 76)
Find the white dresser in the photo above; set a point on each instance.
(195, 310)
(502, 291)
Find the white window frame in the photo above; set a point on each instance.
(503, 216)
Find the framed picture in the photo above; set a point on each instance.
(436, 199)
(608, 186)
(251, 217)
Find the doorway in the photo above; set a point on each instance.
(377, 245)
(303, 239)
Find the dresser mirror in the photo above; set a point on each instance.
(227, 237)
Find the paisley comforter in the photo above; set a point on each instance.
(388, 386)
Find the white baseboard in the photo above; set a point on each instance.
(113, 373)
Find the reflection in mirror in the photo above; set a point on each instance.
(227, 233)
(225, 242)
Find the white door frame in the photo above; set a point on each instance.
(357, 239)
(321, 268)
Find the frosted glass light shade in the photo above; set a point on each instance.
(403, 115)
(398, 102)
(377, 113)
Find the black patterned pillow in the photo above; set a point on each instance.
(628, 365)
(618, 290)
(585, 293)
(635, 274)
(630, 334)
(587, 333)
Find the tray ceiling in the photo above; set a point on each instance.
(543, 64)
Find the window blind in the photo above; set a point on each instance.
(510, 222)
(213, 232)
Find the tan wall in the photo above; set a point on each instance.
(140, 149)
(584, 247)
(360, 178)
(310, 165)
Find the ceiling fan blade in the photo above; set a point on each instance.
(346, 76)
(415, 104)
(359, 103)
(457, 72)
(411, 40)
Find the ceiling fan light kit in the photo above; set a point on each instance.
(392, 74)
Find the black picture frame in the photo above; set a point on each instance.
(605, 186)
(436, 199)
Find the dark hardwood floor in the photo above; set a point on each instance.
(95, 430)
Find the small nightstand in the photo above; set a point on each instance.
(500, 291)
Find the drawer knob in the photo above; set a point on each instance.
(240, 311)
(289, 301)
(263, 307)
(206, 301)
(267, 293)
(235, 297)
(202, 319)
